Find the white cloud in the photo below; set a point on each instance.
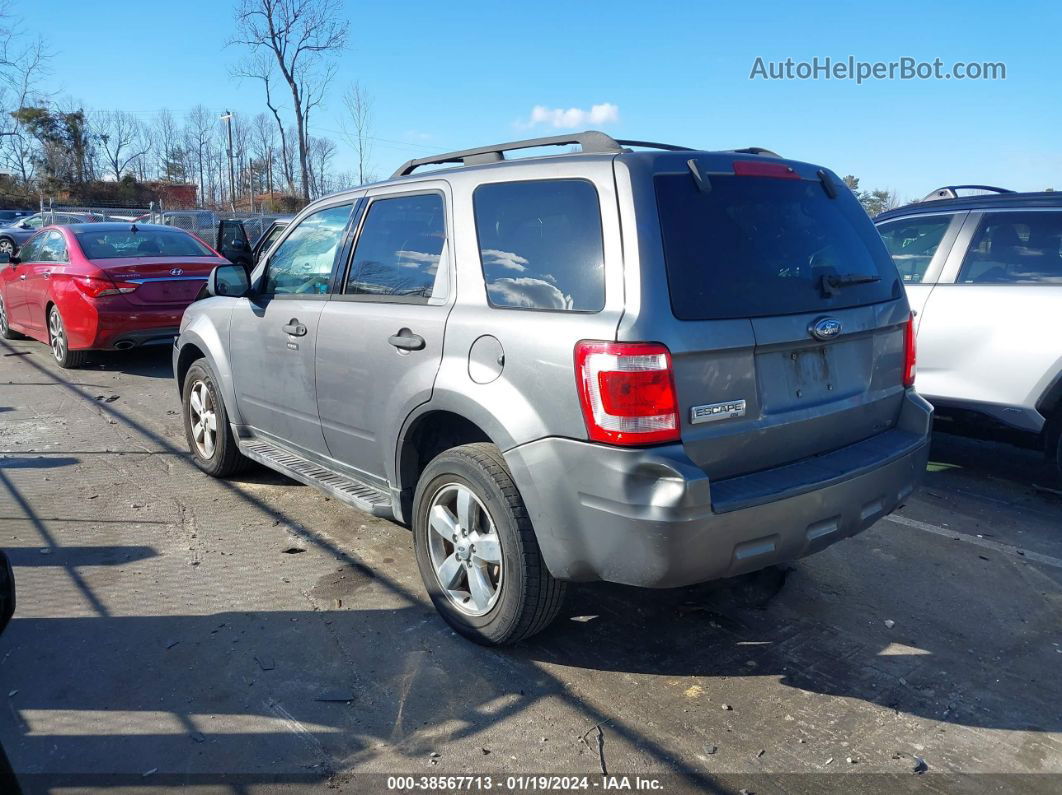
(570, 118)
(504, 259)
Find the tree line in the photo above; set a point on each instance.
(288, 47)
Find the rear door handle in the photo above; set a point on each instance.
(295, 328)
(406, 340)
(22, 276)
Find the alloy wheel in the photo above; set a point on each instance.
(203, 419)
(7, 247)
(3, 315)
(56, 335)
(465, 550)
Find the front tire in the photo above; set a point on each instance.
(476, 549)
(206, 424)
(60, 343)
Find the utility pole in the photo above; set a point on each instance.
(227, 118)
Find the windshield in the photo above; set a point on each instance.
(756, 246)
(127, 244)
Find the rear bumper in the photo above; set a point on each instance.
(135, 327)
(647, 517)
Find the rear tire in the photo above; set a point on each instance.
(7, 246)
(520, 597)
(5, 330)
(60, 343)
(206, 424)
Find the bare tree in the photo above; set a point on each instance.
(357, 128)
(198, 125)
(22, 65)
(322, 150)
(301, 36)
(119, 136)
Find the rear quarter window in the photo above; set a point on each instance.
(1015, 248)
(913, 242)
(757, 246)
(540, 245)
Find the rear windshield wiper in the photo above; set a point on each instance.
(831, 283)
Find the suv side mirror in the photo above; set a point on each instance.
(228, 280)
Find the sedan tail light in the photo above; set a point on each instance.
(97, 288)
(627, 392)
(910, 356)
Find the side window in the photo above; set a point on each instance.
(302, 264)
(52, 248)
(29, 251)
(912, 242)
(36, 221)
(399, 249)
(540, 245)
(1015, 248)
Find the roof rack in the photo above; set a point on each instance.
(590, 141)
(951, 191)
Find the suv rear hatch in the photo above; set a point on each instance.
(787, 300)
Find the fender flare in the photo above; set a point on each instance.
(205, 337)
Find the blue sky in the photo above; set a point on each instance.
(455, 74)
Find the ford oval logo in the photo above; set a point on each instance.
(176, 272)
(825, 328)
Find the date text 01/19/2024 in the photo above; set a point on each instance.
(523, 783)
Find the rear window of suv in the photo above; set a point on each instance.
(757, 246)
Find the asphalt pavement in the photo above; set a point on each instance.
(175, 631)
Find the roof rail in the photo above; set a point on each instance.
(951, 191)
(590, 141)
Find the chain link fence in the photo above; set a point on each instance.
(201, 222)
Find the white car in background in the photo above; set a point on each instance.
(984, 274)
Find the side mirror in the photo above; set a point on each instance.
(7, 591)
(228, 280)
(24, 225)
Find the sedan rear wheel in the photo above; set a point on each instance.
(7, 246)
(5, 329)
(60, 344)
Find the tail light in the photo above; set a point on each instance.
(97, 288)
(909, 353)
(627, 392)
(758, 168)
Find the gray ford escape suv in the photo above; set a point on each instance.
(653, 367)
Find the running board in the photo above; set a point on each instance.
(346, 489)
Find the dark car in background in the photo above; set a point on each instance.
(12, 216)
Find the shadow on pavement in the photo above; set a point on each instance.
(199, 687)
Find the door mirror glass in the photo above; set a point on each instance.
(228, 280)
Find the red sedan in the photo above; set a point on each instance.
(102, 286)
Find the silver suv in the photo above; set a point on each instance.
(984, 274)
(654, 367)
